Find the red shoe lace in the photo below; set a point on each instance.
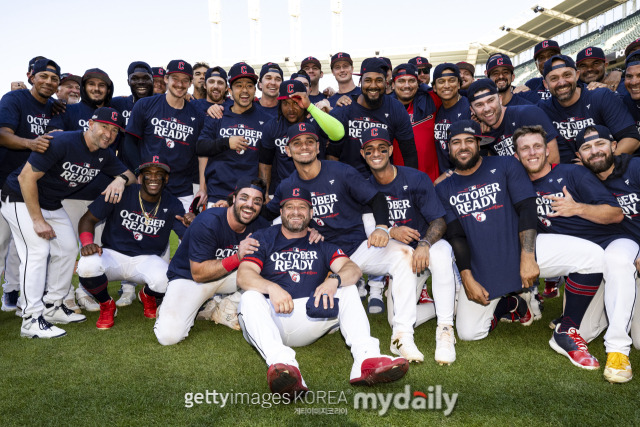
(580, 342)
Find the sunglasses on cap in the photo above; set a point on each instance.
(423, 70)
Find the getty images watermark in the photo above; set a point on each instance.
(335, 401)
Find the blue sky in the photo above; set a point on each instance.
(87, 34)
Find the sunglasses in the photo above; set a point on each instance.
(424, 70)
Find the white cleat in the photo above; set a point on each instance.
(38, 327)
(127, 298)
(226, 313)
(61, 314)
(402, 345)
(86, 301)
(445, 345)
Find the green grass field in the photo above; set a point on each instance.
(123, 376)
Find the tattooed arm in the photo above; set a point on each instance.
(529, 270)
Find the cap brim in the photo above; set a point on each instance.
(109, 123)
(156, 164)
(302, 133)
(484, 140)
(253, 77)
(283, 201)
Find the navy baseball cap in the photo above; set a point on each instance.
(633, 46)
(158, 71)
(498, 60)
(548, 67)
(446, 69)
(302, 74)
(374, 134)
(299, 129)
(603, 132)
(245, 182)
(42, 65)
(216, 71)
(590, 53)
(420, 62)
(462, 65)
(387, 60)
(628, 62)
(289, 87)
(472, 128)
(154, 160)
(96, 73)
(180, 66)
(293, 192)
(270, 67)
(68, 76)
(544, 45)
(341, 56)
(310, 60)
(373, 65)
(479, 86)
(33, 60)
(242, 69)
(109, 116)
(404, 70)
(139, 67)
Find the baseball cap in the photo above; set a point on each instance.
(270, 67)
(41, 65)
(374, 134)
(466, 66)
(441, 68)
(403, 70)
(96, 73)
(420, 62)
(341, 56)
(215, 71)
(242, 69)
(603, 132)
(154, 160)
(302, 74)
(498, 60)
(544, 45)
(109, 116)
(471, 127)
(634, 45)
(246, 182)
(68, 76)
(373, 65)
(139, 66)
(289, 87)
(479, 86)
(158, 71)
(387, 60)
(310, 60)
(627, 61)
(299, 129)
(567, 62)
(292, 192)
(180, 66)
(33, 60)
(589, 53)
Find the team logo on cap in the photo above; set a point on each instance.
(156, 159)
(302, 127)
(545, 44)
(419, 61)
(295, 192)
(180, 65)
(161, 71)
(114, 116)
(290, 88)
(374, 131)
(470, 130)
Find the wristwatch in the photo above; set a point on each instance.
(337, 277)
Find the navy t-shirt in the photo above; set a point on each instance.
(633, 107)
(412, 200)
(75, 117)
(27, 118)
(172, 134)
(353, 94)
(519, 99)
(515, 117)
(338, 194)
(69, 166)
(296, 265)
(626, 189)
(484, 203)
(203, 105)
(123, 105)
(445, 117)
(594, 107)
(355, 118)
(272, 112)
(223, 169)
(536, 86)
(129, 232)
(208, 237)
(317, 98)
(584, 187)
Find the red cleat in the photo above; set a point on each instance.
(149, 304)
(383, 369)
(285, 379)
(108, 311)
(550, 289)
(572, 345)
(424, 296)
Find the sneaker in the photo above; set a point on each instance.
(555, 322)
(445, 345)
(61, 314)
(362, 288)
(226, 313)
(127, 297)
(383, 369)
(149, 304)
(71, 304)
(108, 311)
(39, 328)
(285, 379)
(10, 300)
(403, 345)
(522, 313)
(206, 310)
(86, 301)
(424, 296)
(574, 347)
(550, 288)
(618, 368)
(376, 305)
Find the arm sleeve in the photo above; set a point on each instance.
(409, 153)
(457, 238)
(527, 214)
(330, 125)
(380, 208)
(628, 132)
(211, 147)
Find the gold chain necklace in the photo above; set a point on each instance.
(147, 216)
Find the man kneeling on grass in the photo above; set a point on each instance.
(290, 301)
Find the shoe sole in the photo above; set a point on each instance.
(616, 379)
(385, 374)
(554, 345)
(58, 322)
(25, 335)
(398, 353)
(9, 308)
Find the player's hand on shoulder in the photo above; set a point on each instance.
(442, 177)
(612, 80)
(43, 229)
(187, 219)
(221, 204)
(18, 85)
(113, 192)
(344, 101)
(90, 249)
(39, 144)
(597, 85)
(315, 236)
(379, 238)
(324, 105)
(563, 206)
(404, 234)
(521, 88)
(215, 111)
(329, 92)
(58, 107)
(281, 299)
(247, 247)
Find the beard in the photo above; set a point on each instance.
(468, 165)
(374, 104)
(238, 216)
(295, 229)
(600, 166)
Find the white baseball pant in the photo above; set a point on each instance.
(9, 260)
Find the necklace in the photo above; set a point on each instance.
(148, 216)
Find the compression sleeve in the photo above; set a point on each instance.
(457, 238)
(211, 147)
(527, 214)
(380, 209)
(409, 152)
(329, 124)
